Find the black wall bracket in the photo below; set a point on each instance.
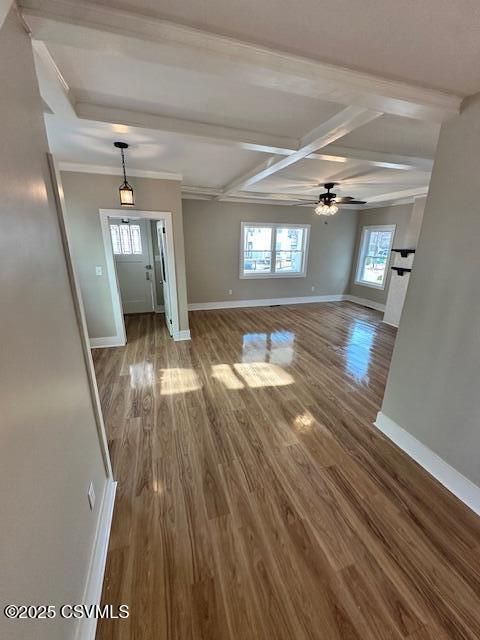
(404, 252)
(401, 270)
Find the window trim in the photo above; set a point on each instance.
(272, 274)
(366, 230)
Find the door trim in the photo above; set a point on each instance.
(105, 214)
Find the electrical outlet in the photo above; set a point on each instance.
(91, 496)
(313, 288)
(99, 271)
(230, 291)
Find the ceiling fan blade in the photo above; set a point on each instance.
(351, 201)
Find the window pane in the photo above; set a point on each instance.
(115, 235)
(257, 238)
(256, 261)
(379, 243)
(136, 239)
(288, 261)
(289, 239)
(374, 270)
(125, 239)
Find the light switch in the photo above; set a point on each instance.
(99, 271)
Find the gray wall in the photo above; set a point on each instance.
(85, 194)
(49, 445)
(398, 215)
(433, 386)
(212, 244)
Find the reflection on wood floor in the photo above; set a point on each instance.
(256, 501)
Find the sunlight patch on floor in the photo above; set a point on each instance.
(225, 374)
(178, 381)
(141, 375)
(303, 422)
(263, 374)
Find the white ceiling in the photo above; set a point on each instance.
(231, 120)
(433, 43)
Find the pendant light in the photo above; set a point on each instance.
(125, 190)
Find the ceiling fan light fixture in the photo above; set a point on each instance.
(324, 209)
(125, 190)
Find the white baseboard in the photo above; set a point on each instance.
(365, 302)
(452, 479)
(93, 587)
(159, 308)
(264, 302)
(182, 335)
(109, 341)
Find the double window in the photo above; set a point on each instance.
(273, 250)
(374, 255)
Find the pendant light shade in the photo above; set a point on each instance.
(125, 190)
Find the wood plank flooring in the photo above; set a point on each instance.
(256, 501)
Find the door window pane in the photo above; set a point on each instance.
(136, 239)
(115, 234)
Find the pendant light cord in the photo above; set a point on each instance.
(123, 166)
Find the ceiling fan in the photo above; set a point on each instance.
(327, 203)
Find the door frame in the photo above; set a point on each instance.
(105, 215)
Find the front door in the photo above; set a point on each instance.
(132, 253)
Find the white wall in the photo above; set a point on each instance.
(49, 449)
(433, 386)
(212, 245)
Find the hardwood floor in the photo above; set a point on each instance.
(256, 501)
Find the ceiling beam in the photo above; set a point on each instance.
(54, 90)
(136, 36)
(397, 195)
(332, 129)
(251, 140)
(378, 159)
(243, 138)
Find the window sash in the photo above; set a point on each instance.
(273, 254)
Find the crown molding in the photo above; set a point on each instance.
(117, 171)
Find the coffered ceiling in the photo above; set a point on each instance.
(231, 119)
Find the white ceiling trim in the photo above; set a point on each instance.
(332, 129)
(68, 22)
(376, 158)
(117, 171)
(251, 140)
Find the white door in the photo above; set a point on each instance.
(132, 253)
(167, 299)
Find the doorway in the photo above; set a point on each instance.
(140, 263)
